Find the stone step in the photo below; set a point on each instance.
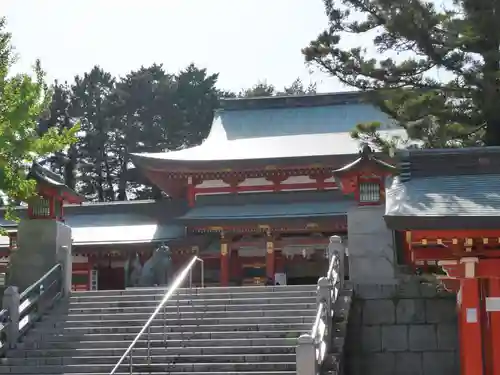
(165, 368)
(106, 340)
(158, 327)
(210, 331)
(197, 290)
(89, 298)
(174, 315)
(181, 373)
(237, 300)
(159, 358)
(117, 348)
(139, 320)
(151, 305)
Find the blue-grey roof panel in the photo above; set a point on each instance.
(88, 229)
(280, 122)
(282, 133)
(269, 211)
(466, 195)
(120, 228)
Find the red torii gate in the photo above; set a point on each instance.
(471, 261)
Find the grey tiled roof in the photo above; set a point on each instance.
(281, 133)
(120, 228)
(269, 211)
(461, 195)
(94, 229)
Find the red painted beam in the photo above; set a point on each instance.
(446, 253)
(419, 235)
(270, 187)
(484, 269)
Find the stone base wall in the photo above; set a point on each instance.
(371, 250)
(405, 329)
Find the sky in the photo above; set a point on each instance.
(245, 41)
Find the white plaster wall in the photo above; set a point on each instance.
(212, 184)
(257, 181)
(80, 259)
(299, 180)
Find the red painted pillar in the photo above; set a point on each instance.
(270, 257)
(224, 263)
(471, 346)
(280, 261)
(191, 194)
(494, 317)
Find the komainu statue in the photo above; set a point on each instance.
(133, 270)
(158, 269)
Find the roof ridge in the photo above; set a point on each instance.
(307, 100)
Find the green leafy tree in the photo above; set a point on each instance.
(24, 101)
(461, 42)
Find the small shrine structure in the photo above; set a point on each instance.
(34, 246)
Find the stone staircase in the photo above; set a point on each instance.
(243, 330)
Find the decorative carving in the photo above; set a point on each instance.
(277, 179)
(312, 226)
(223, 249)
(233, 180)
(216, 229)
(196, 180)
(270, 247)
(264, 227)
(158, 269)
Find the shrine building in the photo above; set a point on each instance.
(275, 178)
(445, 209)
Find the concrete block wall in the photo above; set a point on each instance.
(404, 329)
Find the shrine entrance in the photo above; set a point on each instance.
(470, 265)
(111, 278)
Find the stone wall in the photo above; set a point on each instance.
(371, 249)
(405, 329)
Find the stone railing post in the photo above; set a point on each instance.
(337, 247)
(324, 294)
(306, 355)
(64, 257)
(11, 302)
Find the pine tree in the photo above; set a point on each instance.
(461, 41)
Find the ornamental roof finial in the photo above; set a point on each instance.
(366, 150)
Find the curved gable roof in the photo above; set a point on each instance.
(267, 131)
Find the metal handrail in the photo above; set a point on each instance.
(171, 290)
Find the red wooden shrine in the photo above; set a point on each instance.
(365, 178)
(470, 260)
